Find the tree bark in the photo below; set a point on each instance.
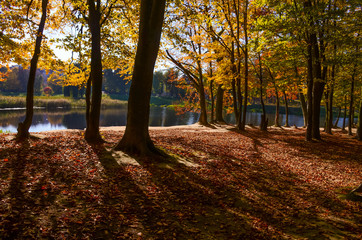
(263, 120)
(329, 119)
(94, 22)
(219, 104)
(344, 113)
(277, 124)
(136, 138)
(350, 121)
(286, 110)
(234, 87)
(303, 105)
(359, 129)
(23, 127)
(318, 87)
(212, 95)
(337, 120)
(203, 115)
(246, 73)
(310, 83)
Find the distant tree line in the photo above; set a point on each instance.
(115, 83)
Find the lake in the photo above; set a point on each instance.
(44, 120)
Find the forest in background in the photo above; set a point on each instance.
(114, 84)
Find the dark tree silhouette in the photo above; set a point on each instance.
(136, 138)
(23, 127)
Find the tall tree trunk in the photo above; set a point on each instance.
(234, 85)
(219, 104)
(277, 113)
(329, 123)
(203, 115)
(326, 106)
(92, 131)
(136, 138)
(246, 73)
(23, 127)
(351, 115)
(276, 121)
(235, 102)
(88, 100)
(303, 105)
(302, 101)
(337, 120)
(263, 120)
(318, 87)
(329, 119)
(286, 110)
(345, 113)
(310, 83)
(359, 129)
(212, 95)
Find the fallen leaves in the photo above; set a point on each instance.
(221, 185)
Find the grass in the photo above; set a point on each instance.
(54, 102)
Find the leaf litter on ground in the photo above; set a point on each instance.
(220, 185)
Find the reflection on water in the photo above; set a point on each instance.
(75, 119)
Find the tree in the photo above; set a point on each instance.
(95, 22)
(23, 127)
(359, 129)
(136, 138)
(189, 56)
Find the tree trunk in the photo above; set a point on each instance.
(92, 131)
(286, 110)
(87, 100)
(234, 86)
(326, 106)
(329, 123)
(212, 98)
(276, 121)
(23, 127)
(263, 120)
(235, 102)
(219, 104)
(303, 105)
(337, 120)
(317, 97)
(308, 136)
(318, 86)
(351, 115)
(345, 113)
(246, 73)
(136, 138)
(203, 115)
(359, 129)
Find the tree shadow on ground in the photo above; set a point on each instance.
(170, 202)
(276, 196)
(218, 185)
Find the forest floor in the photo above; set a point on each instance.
(220, 184)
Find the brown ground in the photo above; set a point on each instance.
(220, 184)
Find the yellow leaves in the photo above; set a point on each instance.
(3, 76)
(75, 75)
